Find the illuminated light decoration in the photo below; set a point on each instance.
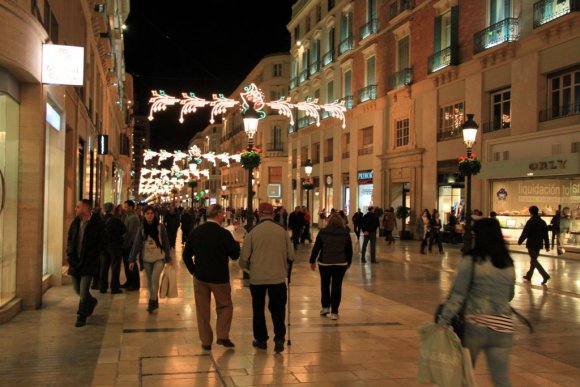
(284, 107)
(178, 156)
(204, 172)
(149, 154)
(236, 158)
(253, 95)
(165, 172)
(195, 152)
(190, 104)
(164, 155)
(145, 171)
(175, 169)
(224, 158)
(160, 101)
(310, 108)
(336, 110)
(210, 157)
(220, 105)
(192, 167)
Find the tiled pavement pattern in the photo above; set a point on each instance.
(374, 343)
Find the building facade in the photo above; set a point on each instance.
(58, 143)
(410, 71)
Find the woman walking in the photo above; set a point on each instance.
(389, 224)
(435, 231)
(426, 219)
(333, 250)
(483, 289)
(154, 250)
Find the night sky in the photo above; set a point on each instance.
(200, 46)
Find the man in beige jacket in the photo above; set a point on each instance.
(266, 253)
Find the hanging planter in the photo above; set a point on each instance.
(308, 184)
(250, 159)
(469, 165)
(192, 183)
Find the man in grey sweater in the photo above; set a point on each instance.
(266, 253)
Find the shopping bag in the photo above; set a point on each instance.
(468, 371)
(441, 357)
(168, 285)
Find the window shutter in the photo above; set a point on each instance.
(454, 34)
(437, 35)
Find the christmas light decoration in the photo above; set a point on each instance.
(160, 101)
(336, 110)
(190, 103)
(310, 109)
(220, 105)
(284, 107)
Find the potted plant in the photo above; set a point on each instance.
(308, 184)
(250, 159)
(403, 213)
(469, 165)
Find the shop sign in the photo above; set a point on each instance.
(365, 177)
(275, 191)
(563, 164)
(552, 164)
(62, 65)
(328, 180)
(103, 144)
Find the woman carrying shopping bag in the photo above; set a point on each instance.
(483, 289)
(153, 248)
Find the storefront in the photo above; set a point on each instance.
(365, 189)
(346, 193)
(450, 196)
(329, 193)
(550, 183)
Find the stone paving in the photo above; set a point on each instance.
(374, 343)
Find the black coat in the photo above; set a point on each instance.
(94, 242)
(296, 220)
(535, 232)
(370, 223)
(334, 247)
(115, 231)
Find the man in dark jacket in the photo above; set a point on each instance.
(369, 226)
(357, 222)
(171, 223)
(86, 241)
(112, 255)
(536, 232)
(212, 246)
(296, 223)
(186, 224)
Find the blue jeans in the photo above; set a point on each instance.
(497, 347)
(153, 273)
(372, 237)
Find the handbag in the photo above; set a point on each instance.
(458, 321)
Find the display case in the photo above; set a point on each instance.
(513, 225)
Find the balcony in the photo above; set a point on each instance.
(314, 67)
(348, 101)
(560, 112)
(401, 78)
(367, 93)
(368, 29)
(304, 76)
(345, 46)
(398, 7)
(345, 155)
(328, 158)
(444, 58)
(507, 30)
(365, 151)
(547, 10)
(449, 134)
(292, 129)
(328, 58)
(305, 121)
(293, 82)
(275, 147)
(489, 127)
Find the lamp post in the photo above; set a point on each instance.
(251, 118)
(469, 129)
(308, 171)
(224, 187)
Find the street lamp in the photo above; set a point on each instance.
(308, 171)
(224, 196)
(251, 118)
(469, 136)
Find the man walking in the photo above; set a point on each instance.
(85, 243)
(132, 224)
(112, 255)
(295, 223)
(213, 246)
(536, 232)
(357, 222)
(266, 252)
(369, 226)
(171, 223)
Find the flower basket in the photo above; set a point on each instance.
(250, 159)
(469, 165)
(192, 183)
(308, 184)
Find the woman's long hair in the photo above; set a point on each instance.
(151, 230)
(489, 243)
(335, 221)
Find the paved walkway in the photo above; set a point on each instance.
(375, 342)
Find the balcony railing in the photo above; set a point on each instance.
(507, 30)
(401, 78)
(489, 127)
(325, 114)
(345, 45)
(328, 57)
(328, 158)
(345, 155)
(365, 151)
(314, 67)
(444, 58)
(304, 76)
(560, 112)
(367, 93)
(348, 101)
(293, 82)
(275, 147)
(448, 134)
(292, 129)
(368, 29)
(547, 10)
(305, 121)
(398, 7)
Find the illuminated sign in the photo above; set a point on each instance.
(365, 177)
(103, 144)
(274, 190)
(52, 117)
(62, 65)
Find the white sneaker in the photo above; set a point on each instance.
(324, 311)
(334, 316)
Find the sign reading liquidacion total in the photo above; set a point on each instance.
(62, 65)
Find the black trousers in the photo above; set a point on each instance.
(296, 236)
(306, 234)
(133, 280)
(331, 286)
(435, 237)
(357, 230)
(111, 258)
(276, 304)
(535, 264)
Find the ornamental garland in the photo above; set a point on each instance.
(250, 159)
(469, 166)
(308, 184)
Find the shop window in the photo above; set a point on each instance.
(402, 132)
(275, 175)
(501, 115)
(451, 118)
(564, 94)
